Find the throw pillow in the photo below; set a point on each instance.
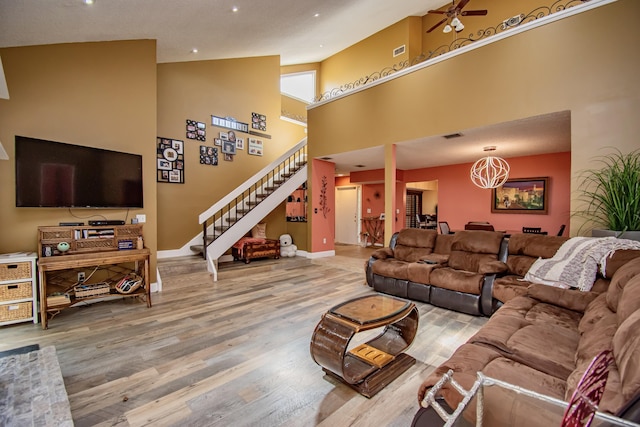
(259, 231)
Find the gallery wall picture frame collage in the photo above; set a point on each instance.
(170, 160)
(196, 130)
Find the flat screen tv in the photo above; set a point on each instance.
(57, 175)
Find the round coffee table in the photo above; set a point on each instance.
(369, 367)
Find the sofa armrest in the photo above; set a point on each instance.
(493, 267)
(382, 253)
(570, 299)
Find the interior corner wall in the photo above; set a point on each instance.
(94, 94)
(224, 88)
(565, 65)
(322, 195)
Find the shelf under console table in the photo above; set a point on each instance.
(58, 275)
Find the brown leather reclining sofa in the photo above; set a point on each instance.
(446, 270)
(544, 340)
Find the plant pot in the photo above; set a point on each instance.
(631, 235)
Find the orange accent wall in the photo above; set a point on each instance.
(323, 223)
(460, 201)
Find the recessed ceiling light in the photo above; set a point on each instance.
(235, 9)
(321, 45)
(316, 15)
(194, 50)
(87, 1)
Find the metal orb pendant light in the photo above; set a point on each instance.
(490, 171)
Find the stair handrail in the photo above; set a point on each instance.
(220, 204)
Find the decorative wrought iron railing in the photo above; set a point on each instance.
(457, 43)
(246, 198)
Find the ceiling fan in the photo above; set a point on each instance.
(452, 13)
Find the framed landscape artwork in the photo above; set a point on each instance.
(521, 195)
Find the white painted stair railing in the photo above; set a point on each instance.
(234, 215)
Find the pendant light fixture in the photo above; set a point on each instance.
(490, 171)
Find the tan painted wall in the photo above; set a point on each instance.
(94, 94)
(226, 88)
(370, 55)
(569, 64)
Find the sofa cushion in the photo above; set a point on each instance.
(595, 311)
(524, 376)
(508, 287)
(417, 238)
(549, 350)
(391, 268)
(457, 280)
(618, 259)
(443, 243)
(565, 298)
(410, 253)
(519, 264)
(535, 245)
(626, 350)
(630, 301)
(619, 280)
(596, 339)
(420, 272)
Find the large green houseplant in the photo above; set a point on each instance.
(610, 194)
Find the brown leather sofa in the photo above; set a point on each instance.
(545, 338)
(446, 270)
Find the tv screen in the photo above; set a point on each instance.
(58, 175)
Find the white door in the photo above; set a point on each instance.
(347, 227)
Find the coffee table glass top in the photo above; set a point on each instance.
(370, 309)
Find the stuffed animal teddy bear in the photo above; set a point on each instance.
(287, 248)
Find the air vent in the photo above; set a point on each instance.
(326, 158)
(360, 166)
(452, 135)
(514, 21)
(399, 50)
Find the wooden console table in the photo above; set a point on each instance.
(92, 252)
(369, 367)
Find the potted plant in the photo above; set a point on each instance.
(611, 195)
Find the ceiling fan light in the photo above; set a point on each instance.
(455, 22)
(447, 29)
(459, 27)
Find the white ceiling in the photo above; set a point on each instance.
(548, 133)
(278, 27)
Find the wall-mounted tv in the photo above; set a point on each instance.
(59, 175)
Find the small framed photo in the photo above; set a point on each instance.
(224, 136)
(217, 141)
(175, 176)
(164, 165)
(239, 144)
(229, 147)
(228, 157)
(178, 146)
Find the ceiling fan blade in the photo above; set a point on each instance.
(437, 25)
(462, 4)
(473, 12)
(437, 11)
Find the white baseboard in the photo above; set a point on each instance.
(324, 254)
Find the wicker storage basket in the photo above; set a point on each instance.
(19, 270)
(17, 311)
(14, 291)
(129, 284)
(86, 291)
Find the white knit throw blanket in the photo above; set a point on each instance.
(576, 262)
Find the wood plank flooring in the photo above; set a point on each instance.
(233, 352)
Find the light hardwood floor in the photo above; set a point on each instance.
(233, 352)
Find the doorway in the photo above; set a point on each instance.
(414, 207)
(347, 215)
